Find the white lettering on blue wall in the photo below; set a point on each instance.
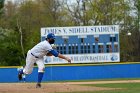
(89, 58)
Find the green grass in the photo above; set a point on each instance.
(92, 80)
(118, 85)
(125, 88)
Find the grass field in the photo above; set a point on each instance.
(120, 88)
(124, 87)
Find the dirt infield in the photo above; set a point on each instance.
(56, 87)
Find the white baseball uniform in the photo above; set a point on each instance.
(35, 55)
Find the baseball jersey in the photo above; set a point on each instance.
(41, 49)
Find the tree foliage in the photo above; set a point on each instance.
(1, 4)
(10, 51)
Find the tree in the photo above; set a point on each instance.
(76, 12)
(135, 55)
(137, 7)
(9, 21)
(10, 52)
(1, 6)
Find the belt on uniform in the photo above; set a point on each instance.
(34, 55)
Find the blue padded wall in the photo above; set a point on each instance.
(60, 73)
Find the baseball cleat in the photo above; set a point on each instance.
(38, 85)
(20, 73)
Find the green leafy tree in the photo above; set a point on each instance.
(130, 44)
(10, 52)
(135, 38)
(1, 6)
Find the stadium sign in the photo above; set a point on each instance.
(85, 44)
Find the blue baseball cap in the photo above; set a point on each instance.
(50, 36)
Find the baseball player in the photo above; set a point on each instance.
(36, 54)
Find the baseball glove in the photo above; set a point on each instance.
(49, 54)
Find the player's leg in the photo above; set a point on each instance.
(30, 60)
(41, 68)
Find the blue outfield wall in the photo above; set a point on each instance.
(81, 72)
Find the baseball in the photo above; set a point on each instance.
(129, 34)
(53, 46)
